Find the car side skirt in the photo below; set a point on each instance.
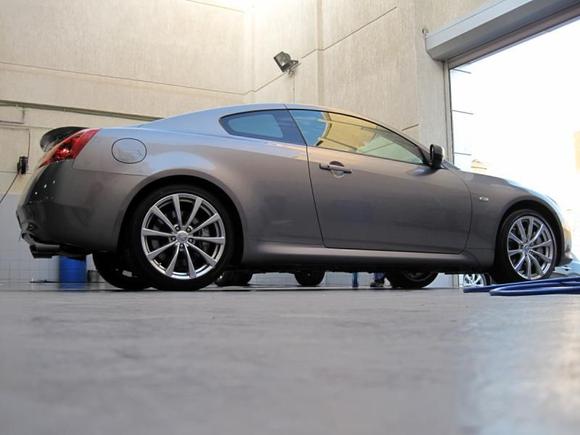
(283, 256)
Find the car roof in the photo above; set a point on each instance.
(206, 121)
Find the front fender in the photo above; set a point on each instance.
(494, 198)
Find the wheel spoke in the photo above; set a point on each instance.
(515, 238)
(209, 221)
(190, 266)
(171, 267)
(194, 210)
(531, 221)
(208, 258)
(149, 232)
(538, 233)
(177, 207)
(514, 252)
(542, 256)
(528, 267)
(216, 240)
(542, 244)
(151, 255)
(537, 264)
(522, 230)
(155, 210)
(520, 262)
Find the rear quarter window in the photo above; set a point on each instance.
(274, 125)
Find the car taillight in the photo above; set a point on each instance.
(69, 148)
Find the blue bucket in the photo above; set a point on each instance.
(72, 270)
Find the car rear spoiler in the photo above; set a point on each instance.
(55, 136)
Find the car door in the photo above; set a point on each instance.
(373, 188)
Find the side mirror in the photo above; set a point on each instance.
(436, 156)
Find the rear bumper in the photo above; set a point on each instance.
(66, 211)
(45, 250)
(40, 249)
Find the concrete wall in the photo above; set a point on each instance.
(108, 62)
(104, 63)
(367, 56)
(154, 58)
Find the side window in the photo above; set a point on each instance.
(354, 135)
(274, 125)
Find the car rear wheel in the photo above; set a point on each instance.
(309, 278)
(114, 270)
(181, 237)
(234, 278)
(410, 280)
(527, 248)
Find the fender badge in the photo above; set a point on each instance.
(484, 199)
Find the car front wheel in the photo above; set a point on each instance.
(309, 278)
(527, 248)
(409, 280)
(234, 278)
(469, 280)
(181, 237)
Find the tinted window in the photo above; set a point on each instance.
(354, 135)
(275, 125)
(312, 125)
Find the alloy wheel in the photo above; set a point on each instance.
(473, 280)
(530, 247)
(183, 236)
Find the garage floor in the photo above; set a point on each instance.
(98, 361)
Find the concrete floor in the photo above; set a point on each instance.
(330, 361)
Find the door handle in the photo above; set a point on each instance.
(335, 166)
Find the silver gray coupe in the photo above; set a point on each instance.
(175, 202)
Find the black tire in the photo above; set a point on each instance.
(503, 270)
(116, 272)
(225, 279)
(171, 268)
(234, 278)
(309, 278)
(410, 280)
(488, 279)
(243, 278)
